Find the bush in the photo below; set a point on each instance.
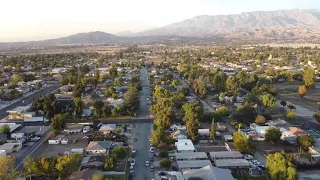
(290, 115)
(317, 116)
(165, 163)
(223, 111)
(164, 154)
(260, 119)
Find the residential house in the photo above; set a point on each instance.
(185, 145)
(84, 175)
(93, 162)
(209, 173)
(107, 128)
(225, 155)
(187, 156)
(179, 134)
(101, 147)
(232, 163)
(194, 164)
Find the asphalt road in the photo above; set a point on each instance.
(142, 132)
(28, 99)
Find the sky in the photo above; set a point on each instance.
(25, 20)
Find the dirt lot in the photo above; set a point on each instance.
(52, 150)
(288, 92)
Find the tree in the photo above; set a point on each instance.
(232, 84)
(157, 136)
(131, 98)
(241, 143)
(223, 111)
(290, 115)
(281, 167)
(98, 105)
(30, 167)
(317, 116)
(260, 119)
(192, 113)
(120, 152)
(109, 91)
(68, 164)
(58, 122)
(212, 130)
(78, 106)
(283, 103)
(175, 83)
(164, 154)
(219, 82)
(273, 134)
(309, 77)
(5, 129)
(305, 142)
(268, 100)
(7, 168)
(106, 111)
(165, 163)
(302, 91)
(110, 163)
(97, 176)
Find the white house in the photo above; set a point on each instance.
(185, 145)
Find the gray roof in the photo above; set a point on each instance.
(226, 154)
(209, 173)
(101, 145)
(190, 155)
(193, 164)
(108, 127)
(232, 163)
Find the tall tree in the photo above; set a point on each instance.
(192, 113)
(280, 167)
(232, 84)
(273, 134)
(268, 100)
(58, 122)
(67, 164)
(7, 168)
(5, 129)
(212, 130)
(219, 82)
(98, 105)
(241, 143)
(309, 77)
(78, 106)
(305, 142)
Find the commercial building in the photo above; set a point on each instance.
(195, 164)
(232, 163)
(185, 145)
(191, 156)
(225, 155)
(209, 173)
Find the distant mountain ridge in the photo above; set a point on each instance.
(259, 25)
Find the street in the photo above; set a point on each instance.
(28, 100)
(142, 132)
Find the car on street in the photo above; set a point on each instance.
(151, 168)
(152, 158)
(132, 162)
(152, 149)
(133, 150)
(162, 175)
(147, 163)
(135, 139)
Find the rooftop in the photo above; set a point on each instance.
(209, 173)
(226, 154)
(193, 164)
(190, 155)
(102, 145)
(232, 163)
(184, 145)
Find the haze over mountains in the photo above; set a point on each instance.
(281, 24)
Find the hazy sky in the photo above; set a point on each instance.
(24, 20)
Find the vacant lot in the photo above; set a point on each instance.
(52, 150)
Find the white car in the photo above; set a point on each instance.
(134, 150)
(152, 149)
(147, 163)
(132, 162)
(85, 137)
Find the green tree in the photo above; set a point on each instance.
(58, 122)
(212, 130)
(223, 111)
(7, 168)
(165, 163)
(219, 82)
(109, 91)
(232, 84)
(120, 152)
(131, 98)
(290, 115)
(67, 164)
(78, 106)
(192, 114)
(157, 136)
(273, 134)
(29, 167)
(164, 154)
(175, 83)
(5, 129)
(309, 77)
(268, 100)
(241, 143)
(98, 105)
(97, 176)
(106, 111)
(260, 119)
(281, 167)
(305, 142)
(110, 163)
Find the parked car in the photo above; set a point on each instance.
(132, 162)
(152, 149)
(162, 175)
(151, 168)
(147, 163)
(151, 158)
(133, 150)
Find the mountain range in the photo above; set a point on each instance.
(260, 25)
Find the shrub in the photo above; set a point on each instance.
(223, 111)
(260, 119)
(164, 154)
(165, 163)
(290, 115)
(317, 116)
